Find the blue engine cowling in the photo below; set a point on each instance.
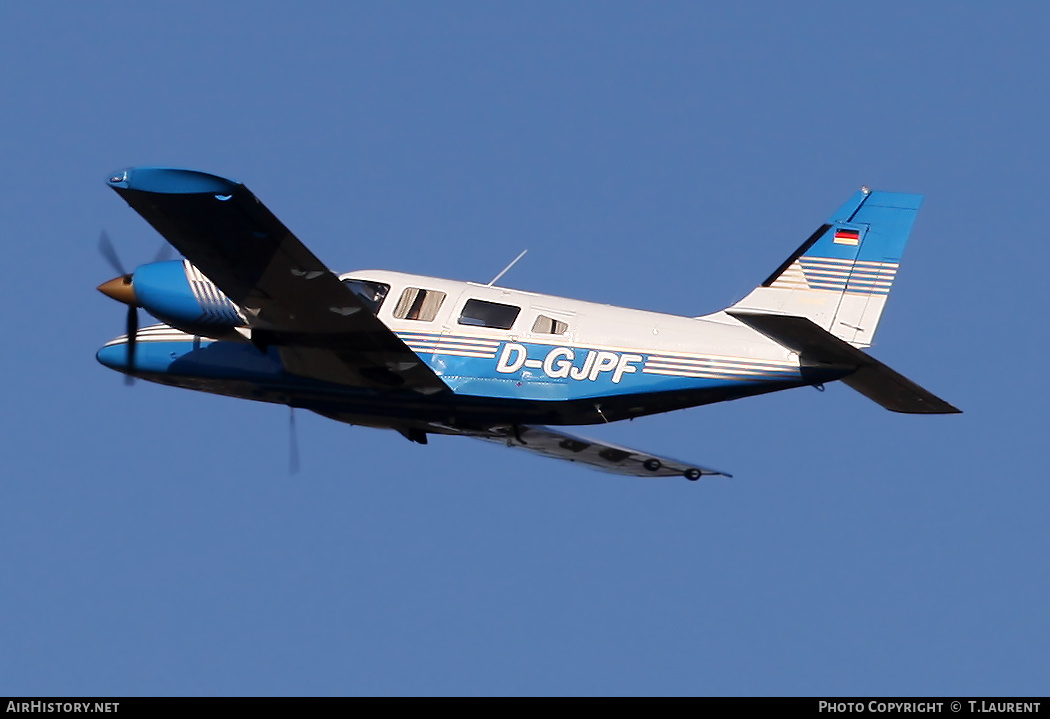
(177, 293)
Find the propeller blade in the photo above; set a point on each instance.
(105, 246)
(293, 443)
(163, 253)
(132, 328)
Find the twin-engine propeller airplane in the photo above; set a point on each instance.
(252, 313)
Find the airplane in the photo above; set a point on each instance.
(252, 313)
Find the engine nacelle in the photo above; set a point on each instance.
(177, 293)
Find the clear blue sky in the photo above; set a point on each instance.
(664, 155)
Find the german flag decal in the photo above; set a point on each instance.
(847, 237)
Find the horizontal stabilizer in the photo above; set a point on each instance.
(816, 347)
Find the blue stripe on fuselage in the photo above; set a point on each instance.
(534, 371)
(509, 370)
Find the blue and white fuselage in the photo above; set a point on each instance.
(252, 313)
(556, 350)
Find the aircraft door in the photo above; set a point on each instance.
(448, 318)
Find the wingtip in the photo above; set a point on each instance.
(171, 181)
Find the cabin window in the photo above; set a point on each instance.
(480, 313)
(545, 325)
(371, 294)
(417, 304)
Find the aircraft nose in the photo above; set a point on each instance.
(122, 289)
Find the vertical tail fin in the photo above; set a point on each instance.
(840, 277)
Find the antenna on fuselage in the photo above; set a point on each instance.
(512, 263)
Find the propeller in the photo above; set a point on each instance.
(293, 443)
(163, 253)
(122, 289)
(131, 327)
(105, 247)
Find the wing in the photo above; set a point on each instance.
(291, 299)
(597, 455)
